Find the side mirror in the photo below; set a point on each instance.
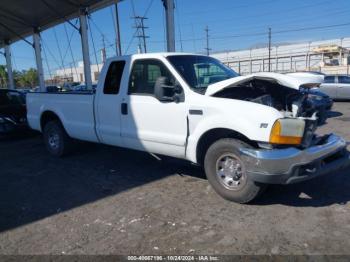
(166, 92)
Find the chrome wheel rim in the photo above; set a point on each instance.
(54, 140)
(230, 171)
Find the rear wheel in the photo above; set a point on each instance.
(57, 141)
(227, 174)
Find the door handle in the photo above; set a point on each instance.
(124, 108)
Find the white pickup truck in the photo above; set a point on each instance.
(246, 131)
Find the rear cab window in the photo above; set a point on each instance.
(113, 78)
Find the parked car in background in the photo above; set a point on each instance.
(12, 111)
(53, 88)
(83, 88)
(321, 102)
(336, 86)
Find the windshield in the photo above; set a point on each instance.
(200, 71)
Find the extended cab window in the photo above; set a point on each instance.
(329, 79)
(113, 78)
(144, 75)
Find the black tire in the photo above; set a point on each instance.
(239, 189)
(63, 143)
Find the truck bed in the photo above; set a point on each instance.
(75, 109)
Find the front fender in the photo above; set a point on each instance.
(250, 125)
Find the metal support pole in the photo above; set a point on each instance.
(11, 81)
(306, 61)
(250, 62)
(269, 49)
(291, 63)
(276, 60)
(38, 59)
(117, 33)
(170, 25)
(309, 62)
(263, 65)
(85, 47)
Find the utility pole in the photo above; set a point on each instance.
(103, 51)
(118, 46)
(207, 37)
(169, 7)
(269, 49)
(140, 27)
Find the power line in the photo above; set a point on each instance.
(140, 28)
(69, 41)
(70, 48)
(59, 49)
(47, 63)
(50, 53)
(310, 28)
(290, 21)
(134, 12)
(263, 33)
(93, 45)
(264, 14)
(99, 30)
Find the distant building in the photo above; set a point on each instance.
(76, 74)
(328, 56)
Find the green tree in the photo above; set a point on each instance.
(18, 77)
(31, 76)
(26, 78)
(3, 77)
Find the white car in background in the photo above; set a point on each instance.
(336, 86)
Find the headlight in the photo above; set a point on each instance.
(287, 131)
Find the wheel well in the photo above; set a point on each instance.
(209, 137)
(46, 117)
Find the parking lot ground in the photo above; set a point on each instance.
(105, 200)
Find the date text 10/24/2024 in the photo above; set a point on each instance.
(173, 258)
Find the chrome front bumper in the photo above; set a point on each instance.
(291, 165)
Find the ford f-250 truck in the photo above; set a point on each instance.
(246, 131)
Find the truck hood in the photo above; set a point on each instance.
(291, 81)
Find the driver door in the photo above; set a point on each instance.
(147, 123)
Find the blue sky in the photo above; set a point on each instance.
(233, 24)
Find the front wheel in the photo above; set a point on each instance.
(227, 174)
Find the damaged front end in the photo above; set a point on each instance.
(284, 93)
(293, 153)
